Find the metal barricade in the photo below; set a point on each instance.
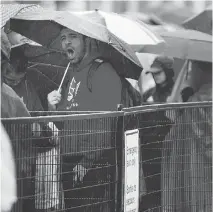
(176, 156)
(175, 159)
(51, 153)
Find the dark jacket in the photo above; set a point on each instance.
(106, 88)
(161, 94)
(28, 94)
(105, 96)
(20, 135)
(11, 105)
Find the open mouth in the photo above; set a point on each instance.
(70, 53)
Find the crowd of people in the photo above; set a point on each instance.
(103, 91)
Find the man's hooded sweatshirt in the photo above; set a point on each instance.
(105, 96)
(106, 85)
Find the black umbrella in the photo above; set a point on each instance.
(45, 27)
(47, 62)
(45, 67)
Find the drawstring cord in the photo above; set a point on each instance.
(26, 91)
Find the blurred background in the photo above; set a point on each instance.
(169, 11)
(167, 14)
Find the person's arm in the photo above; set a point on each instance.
(53, 99)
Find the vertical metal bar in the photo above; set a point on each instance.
(119, 157)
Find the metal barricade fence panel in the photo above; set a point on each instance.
(175, 159)
(48, 177)
(176, 156)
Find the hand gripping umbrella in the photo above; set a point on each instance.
(45, 27)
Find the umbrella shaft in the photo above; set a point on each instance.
(65, 73)
(176, 89)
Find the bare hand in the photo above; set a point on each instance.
(80, 172)
(53, 99)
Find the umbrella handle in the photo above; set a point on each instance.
(177, 86)
(65, 73)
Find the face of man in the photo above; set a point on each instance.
(158, 75)
(73, 44)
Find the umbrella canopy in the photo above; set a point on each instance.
(201, 22)
(172, 14)
(165, 28)
(187, 45)
(10, 10)
(139, 34)
(155, 27)
(45, 27)
(38, 54)
(144, 18)
(44, 65)
(158, 29)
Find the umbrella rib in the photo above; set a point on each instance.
(121, 47)
(45, 76)
(44, 64)
(53, 40)
(25, 8)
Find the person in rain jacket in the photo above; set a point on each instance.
(163, 73)
(75, 96)
(46, 177)
(187, 157)
(12, 106)
(15, 77)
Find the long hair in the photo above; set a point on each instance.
(169, 72)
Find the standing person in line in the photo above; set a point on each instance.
(163, 74)
(15, 77)
(12, 106)
(104, 95)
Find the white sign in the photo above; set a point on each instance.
(131, 183)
